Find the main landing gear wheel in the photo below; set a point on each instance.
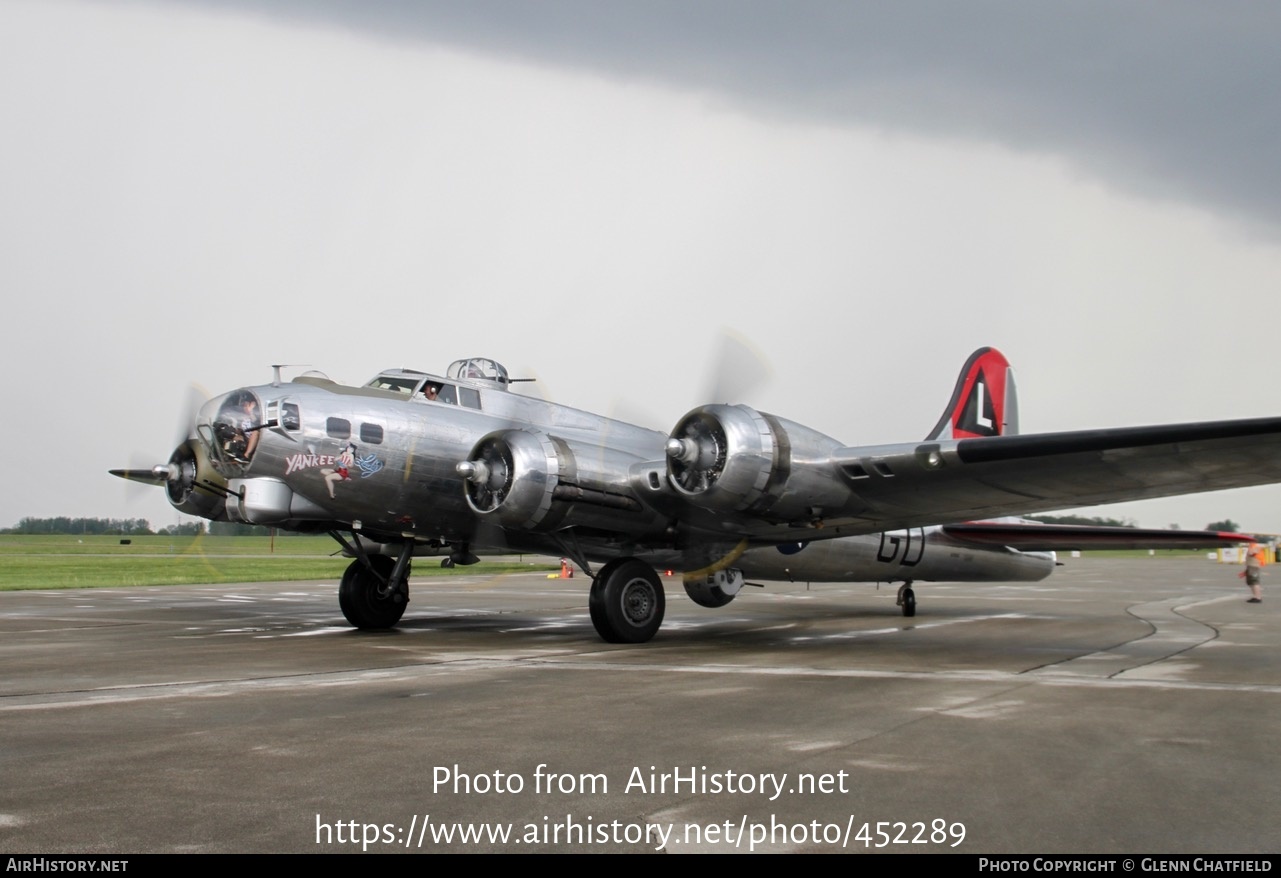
(368, 599)
(907, 600)
(627, 601)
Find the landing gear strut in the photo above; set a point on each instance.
(372, 594)
(627, 601)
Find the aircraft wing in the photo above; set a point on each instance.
(1063, 537)
(937, 482)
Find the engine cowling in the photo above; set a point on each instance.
(534, 481)
(723, 455)
(512, 474)
(189, 467)
(735, 459)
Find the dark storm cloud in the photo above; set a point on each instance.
(1170, 100)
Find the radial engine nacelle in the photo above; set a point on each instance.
(532, 480)
(733, 458)
(189, 480)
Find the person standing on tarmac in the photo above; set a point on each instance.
(1254, 572)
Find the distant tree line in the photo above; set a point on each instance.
(65, 525)
(1226, 524)
(101, 526)
(1092, 521)
(132, 527)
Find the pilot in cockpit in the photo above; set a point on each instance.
(431, 390)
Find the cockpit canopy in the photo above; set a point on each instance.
(407, 381)
(421, 387)
(397, 380)
(479, 368)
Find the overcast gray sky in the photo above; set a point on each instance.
(592, 193)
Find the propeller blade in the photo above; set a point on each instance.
(738, 370)
(160, 474)
(195, 397)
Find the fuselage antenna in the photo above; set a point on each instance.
(276, 380)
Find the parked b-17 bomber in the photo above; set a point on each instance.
(412, 464)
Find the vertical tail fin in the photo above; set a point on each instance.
(985, 401)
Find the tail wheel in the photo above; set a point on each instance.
(627, 601)
(368, 599)
(909, 602)
(707, 595)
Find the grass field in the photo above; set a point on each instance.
(40, 562)
(31, 562)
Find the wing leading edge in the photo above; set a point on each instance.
(968, 479)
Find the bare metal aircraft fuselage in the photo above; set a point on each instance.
(414, 464)
(402, 484)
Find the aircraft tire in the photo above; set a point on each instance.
(627, 602)
(711, 596)
(361, 599)
(909, 602)
(596, 607)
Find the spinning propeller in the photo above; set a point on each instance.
(698, 447)
(188, 471)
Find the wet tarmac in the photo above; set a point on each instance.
(1120, 706)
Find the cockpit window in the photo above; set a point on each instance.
(438, 391)
(396, 383)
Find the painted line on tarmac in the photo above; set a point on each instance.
(535, 663)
